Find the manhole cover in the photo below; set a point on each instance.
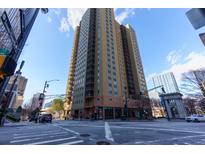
(84, 135)
(102, 143)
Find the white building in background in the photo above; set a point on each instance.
(168, 81)
(171, 100)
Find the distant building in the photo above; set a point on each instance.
(171, 100)
(34, 102)
(157, 108)
(18, 91)
(168, 81)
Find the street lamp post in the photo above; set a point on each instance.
(46, 85)
(42, 98)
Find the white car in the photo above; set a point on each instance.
(195, 118)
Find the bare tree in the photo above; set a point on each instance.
(190, 105)
(193, 83)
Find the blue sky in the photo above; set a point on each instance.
(166, 39)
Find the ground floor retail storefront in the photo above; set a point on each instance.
(103, 113)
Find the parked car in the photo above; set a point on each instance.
(195, 118)
(45, 118)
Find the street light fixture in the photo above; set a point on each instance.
(42, 97)
(46, 85)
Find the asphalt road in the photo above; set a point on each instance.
(104, 132)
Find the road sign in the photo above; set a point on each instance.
(202, 37)
(4, 51)
(196, 17)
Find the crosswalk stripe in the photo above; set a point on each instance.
(66, 129)
(16, 141)
(50, 141)
(18, 137)
(73, 142)
(33, 133)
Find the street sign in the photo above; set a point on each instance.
(196, 17)
(202, 37)
(4, 51)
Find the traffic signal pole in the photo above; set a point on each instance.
(16, 50)
(4, 109)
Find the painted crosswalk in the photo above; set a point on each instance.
(50, 141)
(46, 136)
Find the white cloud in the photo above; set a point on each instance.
(174, 56)
(124, 15)
(72, 20)
(64, 25)
(49, 19)
(194, 60)
(75, 15)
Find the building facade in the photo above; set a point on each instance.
(34, 101)
(108, 69)
(18, 91)
(70, 81)
(168, 81)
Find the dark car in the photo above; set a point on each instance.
(45, 118)
(32, 118)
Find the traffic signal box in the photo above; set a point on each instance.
(7, 64)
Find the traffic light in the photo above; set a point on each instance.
(7, 66)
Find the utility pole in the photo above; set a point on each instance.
(8, 99)
(42, 97)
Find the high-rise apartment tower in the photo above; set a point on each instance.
(106, 69)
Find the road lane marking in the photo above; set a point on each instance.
(108, 133)
(17, 141)
(50, 141)
(160, 129)
(18, 137)
(172, 139)
(34, 133)
(66, 129)
(145, 128)
(73, 142)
